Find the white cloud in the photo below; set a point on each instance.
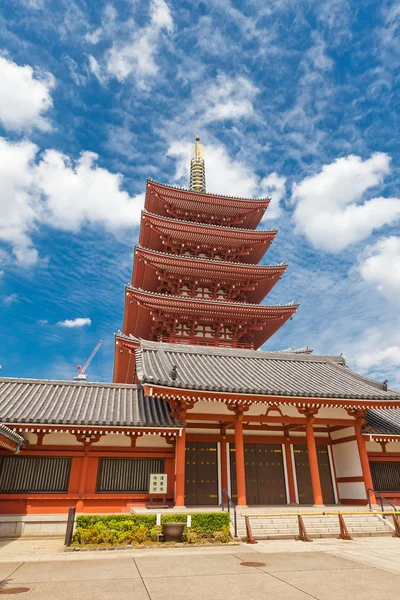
(10, 299)
(273, 186)
(78, 322)
(42, 321)
(134, 50)
(24, 96)
(225, 175)
(380, 266)
(328, 210)
(387, 357)
(59, 192)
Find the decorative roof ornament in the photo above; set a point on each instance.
(197, 168)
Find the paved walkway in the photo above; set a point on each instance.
(365, 569)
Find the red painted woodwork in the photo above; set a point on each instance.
(362, 450)
(180, 469)
(198, 207)
(312, 455)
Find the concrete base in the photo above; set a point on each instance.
(14, 526)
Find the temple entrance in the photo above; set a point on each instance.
(265, 479)
(201, 474)
(304, 486)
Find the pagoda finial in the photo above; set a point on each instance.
(197, 168)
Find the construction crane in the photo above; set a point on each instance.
(82, 370)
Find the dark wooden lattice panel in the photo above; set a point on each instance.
(127, 474)
(34, 474)
(386, 476)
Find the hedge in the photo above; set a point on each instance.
(202, 523)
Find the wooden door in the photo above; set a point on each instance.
(325, 475)
(265, 480)
(201, 474)
(303, 474)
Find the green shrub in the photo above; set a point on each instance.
(155, 533)
(222, 536)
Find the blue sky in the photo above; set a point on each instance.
(298, 100)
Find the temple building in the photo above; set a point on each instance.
(193, 396)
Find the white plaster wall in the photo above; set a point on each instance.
(354, 490)
(393, 447)
(373, 447)
(31, 438)
(347, 460)
(60, 439)
(342, 433)
(213, 408)
(118, 440)
(152, 441)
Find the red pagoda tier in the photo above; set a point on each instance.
(199, 277)
(196, 277)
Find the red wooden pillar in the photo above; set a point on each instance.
(362, 450)
(312, 455)
(82, 480)
(180, 448)
(289, 471)
(240, 466)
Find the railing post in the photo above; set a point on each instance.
(303, 536)
(344, 532)
(249, 534)
(70, 527)
(396, 524)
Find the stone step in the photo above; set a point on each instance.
(285, 536)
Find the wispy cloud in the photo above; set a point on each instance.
(134, 49)
(8, 300)
(78, 322)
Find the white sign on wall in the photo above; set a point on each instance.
(158, 483)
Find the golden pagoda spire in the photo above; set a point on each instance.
(197, 168)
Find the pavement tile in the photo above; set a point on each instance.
(6, 569)
(124, 589)
(300, 561)
(358, 584)
(124, 568)
(180, 566)
(253, 586)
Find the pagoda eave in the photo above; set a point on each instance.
(211, 241)
(180, 203)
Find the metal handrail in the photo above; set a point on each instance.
(381, 498)
(230, 505)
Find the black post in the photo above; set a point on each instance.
(70, 526)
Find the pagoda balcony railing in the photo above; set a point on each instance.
(195, 341)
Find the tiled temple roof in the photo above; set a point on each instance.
(79, 403)
(383, 421)
(254, 372)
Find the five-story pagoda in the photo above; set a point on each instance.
(196, 277)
